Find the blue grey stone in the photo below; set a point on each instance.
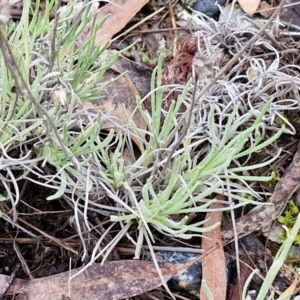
(208, 7)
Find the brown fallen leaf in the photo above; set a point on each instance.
(118, 101)
(121, 12)
(249, 6)
(113, 280)
(214, 265)
(265, 9)
(140, 75)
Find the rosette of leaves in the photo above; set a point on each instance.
(186, 186)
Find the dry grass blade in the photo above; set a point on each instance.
(52, 238)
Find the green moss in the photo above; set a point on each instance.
(275, 178)
(282, 235)
(146, 59)
(288, 219)
(294, 209)
(297, 240)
